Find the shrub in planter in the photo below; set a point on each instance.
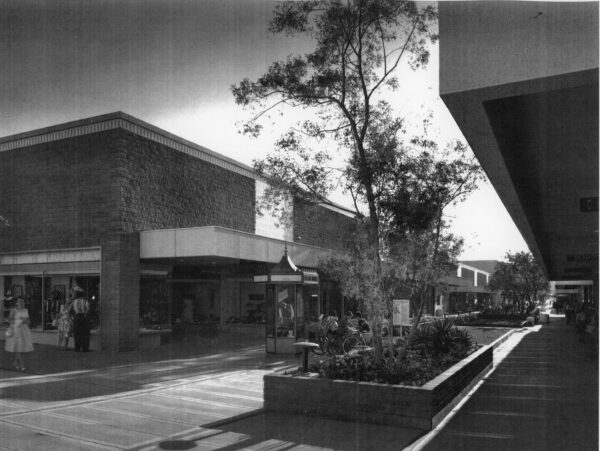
(415, 369)
(442, 337)
(436, 346)
(355, 367)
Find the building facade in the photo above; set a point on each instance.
(141, 220)
(464, 290)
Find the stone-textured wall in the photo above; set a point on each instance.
(320, 226)
(71, 193)
(61, 194)
(164, 188)
(120, 288)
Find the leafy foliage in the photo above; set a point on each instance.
(520, 279)
(441, 336)
(399, 184)
(435, 346)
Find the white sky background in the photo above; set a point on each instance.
(171, 63)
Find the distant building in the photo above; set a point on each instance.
(466, 289)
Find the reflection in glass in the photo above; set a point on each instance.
(285, 310)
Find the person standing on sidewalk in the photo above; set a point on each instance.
(19, 340)
(81, 329)
(64, 325)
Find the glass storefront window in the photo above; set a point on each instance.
(310, 293)
(154, 303)
(270, 311)
(252, 303)
(285, 310)
(300, 311)
(33, 300)
(44, 294)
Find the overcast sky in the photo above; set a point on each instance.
(171, 63)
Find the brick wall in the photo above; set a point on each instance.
(60, 194)
(164, 188)
(320, 226)
(120, 288)
(460, 376)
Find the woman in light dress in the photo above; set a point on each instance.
(64, 324)
(20, 340)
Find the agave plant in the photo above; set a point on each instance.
(440, 332)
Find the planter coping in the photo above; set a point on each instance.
(455, 368)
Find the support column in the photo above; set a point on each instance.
(120, 291)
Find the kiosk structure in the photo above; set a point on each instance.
(292, 304)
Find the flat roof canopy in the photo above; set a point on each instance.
(531, 117)
(220, 244)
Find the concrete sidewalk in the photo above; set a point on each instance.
(202, 394)
(99, 400)
(207, 394)
(542, 396)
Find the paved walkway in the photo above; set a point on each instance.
(542, 396)
(201, 394)
(207, 394)
(98, 400)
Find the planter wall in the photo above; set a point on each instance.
(421, 407)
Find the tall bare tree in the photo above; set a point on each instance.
(399, 185)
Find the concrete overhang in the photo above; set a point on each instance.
(221, 244)
(521, 81)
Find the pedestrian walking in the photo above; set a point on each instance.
(81, 328)
(18, 336)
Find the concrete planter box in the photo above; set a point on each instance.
(420, 407)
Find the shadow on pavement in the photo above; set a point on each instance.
(58, 375)
(318, 432)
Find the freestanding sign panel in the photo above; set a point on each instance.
(401, 313)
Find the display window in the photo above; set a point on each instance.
(286, 315)
(203, 298)
(270, 311)
(44, 294)
(252, 303)
(155, 305)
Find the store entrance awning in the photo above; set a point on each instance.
(222, 243)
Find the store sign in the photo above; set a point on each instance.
(591, 257)
(292, 278)
(401, 312)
